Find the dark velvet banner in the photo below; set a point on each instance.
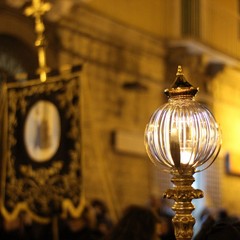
(41, 147)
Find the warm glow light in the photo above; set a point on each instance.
(186, 156)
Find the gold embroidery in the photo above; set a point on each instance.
(40, 188)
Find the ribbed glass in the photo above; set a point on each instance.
(182, 134)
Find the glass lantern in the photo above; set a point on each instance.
(184, 137)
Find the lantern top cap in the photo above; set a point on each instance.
(181, 88)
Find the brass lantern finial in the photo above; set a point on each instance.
(181, 88)
(37, 10)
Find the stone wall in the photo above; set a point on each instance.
(122, 84)
(226, 91)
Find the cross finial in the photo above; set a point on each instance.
(179, 70)
(38, 8)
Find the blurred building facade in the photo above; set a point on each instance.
(130, 51)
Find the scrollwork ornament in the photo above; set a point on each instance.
(183, 193)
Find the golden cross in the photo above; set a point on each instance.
(37, 10)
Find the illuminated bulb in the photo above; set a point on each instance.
(186, 156)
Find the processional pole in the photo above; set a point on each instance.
(37, 10)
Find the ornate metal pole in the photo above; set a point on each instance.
(183, 193)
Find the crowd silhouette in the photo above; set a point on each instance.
(150, 222)
(93, 224)
(220, 226)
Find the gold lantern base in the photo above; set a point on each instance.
(183, 193)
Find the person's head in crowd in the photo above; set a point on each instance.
(136, 223)
(100, 207)
(224, 231)
(223, 227)
(86, 220)
(103, 221)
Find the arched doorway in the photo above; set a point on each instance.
(15, 57)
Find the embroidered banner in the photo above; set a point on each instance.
(41, 147)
